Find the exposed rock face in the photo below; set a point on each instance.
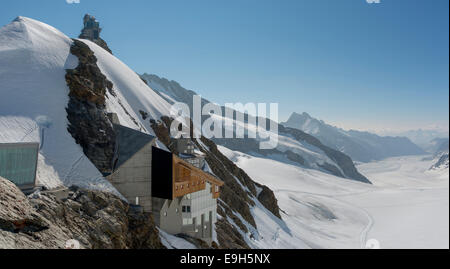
(95, 219)
(295, 157)
(229, 237)
(172, 88)
(16, 213)
(267, 198)
(232, 193)
(88, 120)
(345, 163)
(442, 163)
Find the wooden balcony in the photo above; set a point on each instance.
(172, 177)
(189, 179)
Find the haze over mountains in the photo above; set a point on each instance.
(427, 139)
(361, 146)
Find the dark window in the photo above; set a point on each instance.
(162, 183)
(184, 209)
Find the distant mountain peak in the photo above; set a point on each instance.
(361, 146)
(295, 115)
(19, 18)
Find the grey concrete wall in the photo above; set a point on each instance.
(198, 230)
(167, 215)
(134, 178)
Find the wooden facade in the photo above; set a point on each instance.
(189, 179)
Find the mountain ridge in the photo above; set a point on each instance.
(360, 145)
(290, 149)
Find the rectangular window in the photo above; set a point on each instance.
(18, 163)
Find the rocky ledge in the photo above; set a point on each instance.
(95, 219)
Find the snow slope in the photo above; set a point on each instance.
(133, 95)
(411, 210)
(407, 207)
(34, 95)
(33, 61)
(174, 242)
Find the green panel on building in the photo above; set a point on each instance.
(18, 163)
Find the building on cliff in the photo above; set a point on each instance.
(91, 31)
(91, 28)
(18, 164)
(181, 196)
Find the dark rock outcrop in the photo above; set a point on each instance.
(229, 237)
(343, 161)
(292, 156)
(95, 219)
(442, 163)
(89, 124)
(269, 201)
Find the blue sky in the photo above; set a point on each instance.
(355, 65)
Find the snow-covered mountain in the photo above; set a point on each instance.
(59, 91)
(406, 199)
(34, 95)
(441, 154)
(294, 146)
(439, 145)
(360, 146)
(425, 138)
(442, 162)
(33, 62)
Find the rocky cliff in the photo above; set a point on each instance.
(344, 162)
(88, 120)
(95, 219)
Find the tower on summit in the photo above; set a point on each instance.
(91, 31)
